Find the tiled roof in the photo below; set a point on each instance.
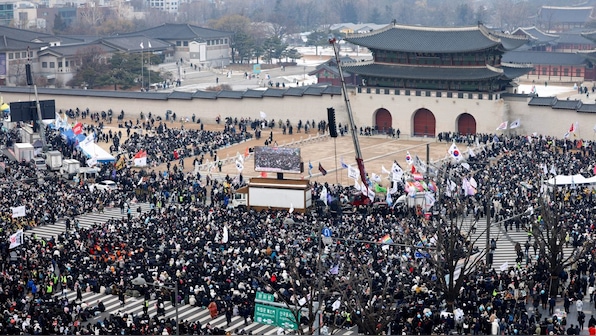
(567, 104)
(172, 31)
(325, 66)
(536, 34)
(565, 14)
(428, 39)
(512, 71)
(334, 90)
(180, 95)
(71, 50)
(10, 44)
(543, 57)
(413, 72)
(575, 38)
(25, 35)
(229, 94)
(542, 101)
(295, 91)
(253, 93)
(314, 90)
(205, 94)
(587, 108)
(590, 35)
(133, 43)
(270, 92)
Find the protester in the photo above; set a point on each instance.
(181, 239)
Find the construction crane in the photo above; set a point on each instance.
(353, 130)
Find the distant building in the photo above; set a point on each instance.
(57, 58)
(562, 57)
(201, 46)
(560, 19)
(435, 63)
(327, 72)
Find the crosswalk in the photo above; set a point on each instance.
(189, 313)
(85, 220)
(505, 253)
(135, 305)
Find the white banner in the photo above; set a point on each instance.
(91, 162)
(353, 172)
(18, 211)
(140, 162)
(16, 239)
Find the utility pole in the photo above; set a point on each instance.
(488, 250)
(30, 81)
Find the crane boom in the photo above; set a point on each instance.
(353, 129)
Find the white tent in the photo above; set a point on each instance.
(569, 180)
(94, 151)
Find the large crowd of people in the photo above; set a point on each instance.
(221, 256)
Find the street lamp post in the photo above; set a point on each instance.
(140, 281)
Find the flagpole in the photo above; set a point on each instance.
(335, 149)
(149, 67)
(142, 66)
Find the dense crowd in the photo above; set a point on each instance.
(220, 256)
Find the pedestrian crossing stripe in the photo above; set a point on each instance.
(186, 313)
(85, 221)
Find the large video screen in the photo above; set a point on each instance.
(27, 111)
(277, 159)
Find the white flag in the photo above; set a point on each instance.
(263, 115)
(225, 236)
(473, 182)
(430, 199)
(454, 152)
(471, 152)
(18, 211)
(239, 166)
(420, 165)
(371, 194)
(503, 126)
(465, 165)
(376, 178)
(142, 46)
(515, 124)
(323, 196)
(397, 172)
(291, 208)
(353, 172)
(357, 185)
(385, 171)
(149, 44)
(16, 239)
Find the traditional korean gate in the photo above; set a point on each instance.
(424, 123)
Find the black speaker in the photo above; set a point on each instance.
(28, 73)
(332, 125)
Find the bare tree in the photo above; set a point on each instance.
(550, 232)
(368, 295)
(454, 257)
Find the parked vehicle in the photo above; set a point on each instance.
(105, 185)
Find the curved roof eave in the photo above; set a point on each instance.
(425, 73)
(436, 40)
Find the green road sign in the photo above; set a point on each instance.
(280, 317)
(265, 297)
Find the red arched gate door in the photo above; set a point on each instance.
(383, 120)
(424, 123)
(466, 124)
